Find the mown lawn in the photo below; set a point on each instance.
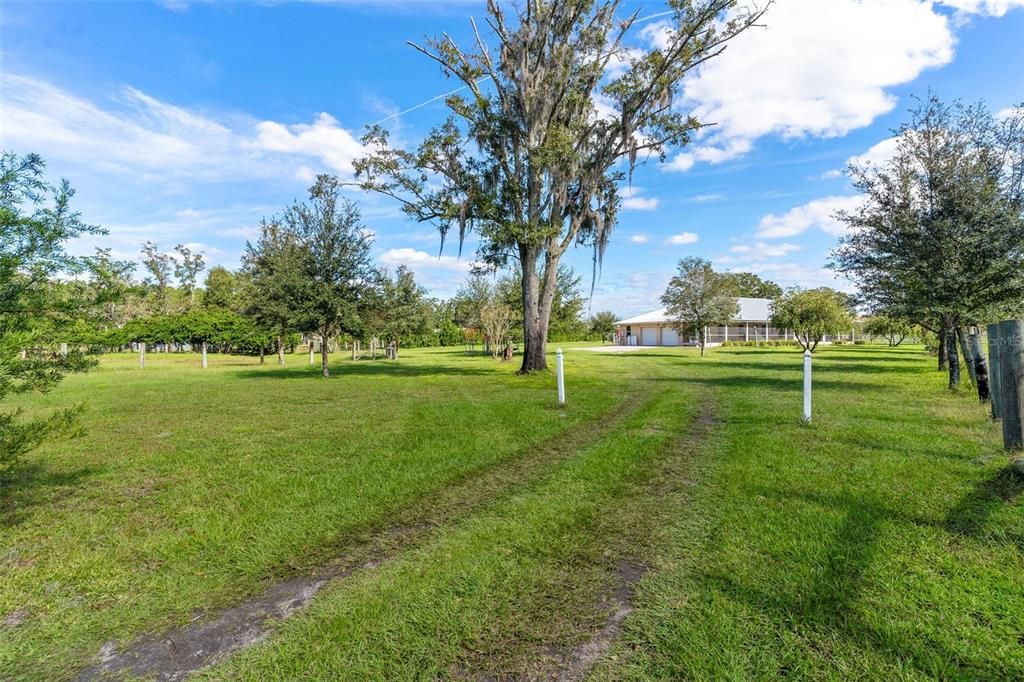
(884, 541)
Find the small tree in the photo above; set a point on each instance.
(339, 276)
(36, 220)
(603, 324)
(187, 267)
(812, 314)
(496, 322)
(894, 330)
(403, 309)
(111, 283)
(475, 293)
(273, 277)
(222, 289)
(159, 267)
(698, 297)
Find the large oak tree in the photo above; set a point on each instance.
(530, 160)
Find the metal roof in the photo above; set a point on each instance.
(751, 310)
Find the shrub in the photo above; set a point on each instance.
(774, 343)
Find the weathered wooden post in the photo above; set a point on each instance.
(561, 377)
(980, 366)
(1011, 382)
(994, 354)
(807, 387)
(64, 349)
(204, 355)
(142, 354)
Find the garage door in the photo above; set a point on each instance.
(649, 336)
(669, 337)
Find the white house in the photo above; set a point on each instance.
(655, 329)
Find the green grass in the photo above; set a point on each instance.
(884, 541)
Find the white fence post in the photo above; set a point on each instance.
(807, 387)
(64, 349)
(561, 377)
(142, 354)
(204, 354)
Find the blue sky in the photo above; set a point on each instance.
(186, 122)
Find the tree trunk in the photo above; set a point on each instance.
(943, 356)
(323, 355)
(965, 350)
(535, 326)
(262, 359)
(280, 350)
(952, 358)
(980, 367)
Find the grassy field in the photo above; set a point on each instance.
(674, 521)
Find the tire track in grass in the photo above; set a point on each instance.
(497, 594)
(576, 663)
(212, 637)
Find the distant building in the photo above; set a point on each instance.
(655, 329)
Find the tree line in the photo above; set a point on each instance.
(938, 240)
(309, 273)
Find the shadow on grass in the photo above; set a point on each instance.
(878, 354)
(825, 365)
(827, 604)
(781, 384)
(34, 485)
(971, 514)
(378, 367)
(861, 440)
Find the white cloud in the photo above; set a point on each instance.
(879, 153)
(632, 201)
(761, 250)
(418, 260)
(153, 141)
(682, 238)
(324, 139)
(993, 8)
(814, 214)
(248, 233)
(1006, 113)
(629, 292)
(680, 162)
(790, 274)
(704, 198)
(638, 239)
(818, 69)
(832, 174)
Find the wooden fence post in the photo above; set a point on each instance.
(994, 367)
(981, 373)
(142, 354)
(204, 355)
(1011, 382)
